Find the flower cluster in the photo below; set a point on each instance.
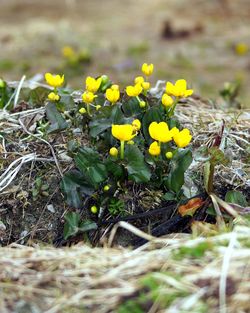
(136, 128)
(124, 133)
(177, 90)
(162, 134)
(54, 81)
(140, 83)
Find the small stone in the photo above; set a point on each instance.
(51, 208)
(2, 227)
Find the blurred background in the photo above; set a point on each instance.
(205, 42)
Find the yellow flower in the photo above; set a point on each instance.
(139, 80)
(136, 124)
(241, 48)
(154, 149)
(93, 84)
(166, 100)
(123, 132)
(82, 111)
(98, 107)
(147, 69)
(88, 97)
(113, 94)
(53, 96)
(182, 138)
(160, 131)
(134, 91)
(145, 85)
(54, 80)
(169, 155)
(68, 52)
(113, 151)
(179, 89)
(174, 131)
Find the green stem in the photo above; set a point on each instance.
(171, 111)
(88, 109)
(122, 149)
(138, 99)
(210, 185)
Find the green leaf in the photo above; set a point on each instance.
(74, 186)
(66, 100)
(71, 225)
(58, 122)
(88, 162)
(108, 116)
(131, 107)
(217, 156)
(179, 164)
(34, 96)
(169, 196)
(87, 225)
(136, 167)
(114, 168)
(234, 196)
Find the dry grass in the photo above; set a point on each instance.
(197, 274)
(177, 274)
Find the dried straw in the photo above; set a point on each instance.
(81, 278)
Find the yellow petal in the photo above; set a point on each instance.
(123, 132)
(130, 91)
(189, 92)
(154, 149)
(166, 100)
(153, 130)
(136, 124)
(174, 131)
(181, 84)
(183, 138)
(169, 88)
(139, 80)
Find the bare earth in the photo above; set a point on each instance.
(123, 34)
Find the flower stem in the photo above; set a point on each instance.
(122, 149)
(171, 111)
(88, 109)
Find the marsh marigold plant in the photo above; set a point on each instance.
(129, 135)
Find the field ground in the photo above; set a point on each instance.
(120, 35)
(206, 271)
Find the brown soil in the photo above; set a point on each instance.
(199, 43)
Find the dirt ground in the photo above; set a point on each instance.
(199, 42)
(198, 45)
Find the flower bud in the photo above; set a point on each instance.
(94, 209)
(106, 188)
(169, 155)
(113, 151)
(145, 85)
(166, 100)
(142, 104)
(2, 83)
(53, 96)
(82, 111)
(136, 124)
